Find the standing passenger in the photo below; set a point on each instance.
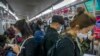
(39, 33)
(51, 34)
(28, 47)
(39, 36)
(69, 46)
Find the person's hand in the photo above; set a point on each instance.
(96, 42)
(92, 37)
(81, 40)
(16, 48)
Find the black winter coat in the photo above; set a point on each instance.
(67, 47)
(50, 38)
(30, 48)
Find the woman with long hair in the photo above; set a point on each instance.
(69, 45)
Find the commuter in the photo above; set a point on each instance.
(39, 34)
(69, 45)
(33, 25)
(45, 25)
(51, 35)
(10, 33)
(4, 47)
(95, 47)
(85, 40)
(80, 10)
(66, 22)
(18, 39)
(98, 48)
(28, 47)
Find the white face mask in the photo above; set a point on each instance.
(81, 35)
(60, 29)
(19, 34)
(42, 26)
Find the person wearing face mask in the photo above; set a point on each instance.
(85, 40)
(82, 36)
(28, 46)
(81, 13)
(10, 33)
(69, 45)
(66, 22)
(51, 35)
(18, 36)
(39, 34)
(61, 29)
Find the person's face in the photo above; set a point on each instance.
(58, 26)
(15, 29)
(87, 29)
(42, 26)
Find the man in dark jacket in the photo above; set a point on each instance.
(51, 34)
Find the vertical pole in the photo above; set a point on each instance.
(2, 14)
(94, 13)
(27, 17)
(7, 18)
(41, 16)
(94, 7)
(52, 11)
(8, 11)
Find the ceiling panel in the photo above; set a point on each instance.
(30, 8)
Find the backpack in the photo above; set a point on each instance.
(52, 50)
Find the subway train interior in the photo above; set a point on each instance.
(49, 27)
